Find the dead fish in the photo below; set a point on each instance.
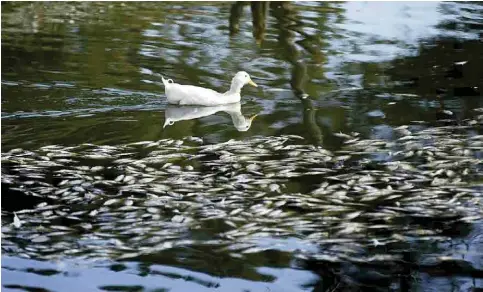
(178, 219)
(342, 135)
(40, 239)
(16, 221)
(128, 178)
(152, 210)
(353, 215)
(110, 202)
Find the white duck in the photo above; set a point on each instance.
(195, 95)
(177, 113)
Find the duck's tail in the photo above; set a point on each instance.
(168, 122)
(166, 81)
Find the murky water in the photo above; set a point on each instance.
(361, 170)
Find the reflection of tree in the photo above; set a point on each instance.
(259, 15)
(437, 74)
(220, 263)
(61, 42)
(287, 26)
(86, 48)
(20, 55)
(236, 13)
(436, 70)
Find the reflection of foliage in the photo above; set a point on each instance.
(448, 69)
(62, 42)
(288, 25)
(92, 45)
(259, 15)
(436, 68)
(222, 264)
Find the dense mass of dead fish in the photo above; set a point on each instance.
(127, 200)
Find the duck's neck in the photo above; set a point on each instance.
(235, 88)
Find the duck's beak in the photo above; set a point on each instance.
(252, 83)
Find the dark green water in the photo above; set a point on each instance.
(87, 72)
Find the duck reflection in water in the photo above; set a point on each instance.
(181, 113)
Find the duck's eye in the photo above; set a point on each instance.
(246, 75)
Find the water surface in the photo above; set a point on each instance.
(88, 72)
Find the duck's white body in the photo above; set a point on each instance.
(195, 95)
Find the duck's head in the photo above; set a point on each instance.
(241, 79)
